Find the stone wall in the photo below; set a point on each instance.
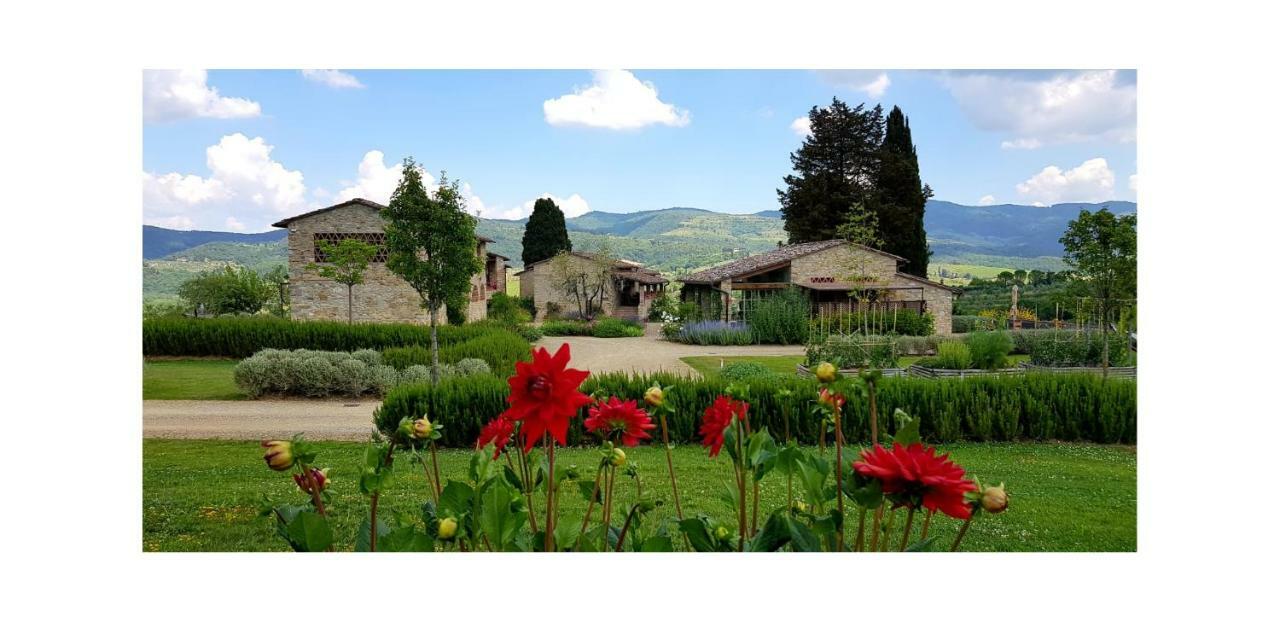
(538, 282)
(383, 297)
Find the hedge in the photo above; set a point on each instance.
(1064, 407)
(500, 349)
(239, 337)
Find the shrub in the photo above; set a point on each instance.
(745, 371)
(875, 323)
(664, 308)
(989, 349)
(1065, 407)
(239, 337)
(853, 352)
(154, 309)
(369, 357)
(229, 290)
(614, 327)
(714, 333)
(499, 350)
(781, 318)
(471, 367)
(1069, 348)
(951, 355)
(507, 309)
(919, 346)
(312, 373)
(566, 328)
(971, 323)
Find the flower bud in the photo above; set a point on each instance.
(406, 428)
(994, 499)
(421, 429)
(321, 477)
(279, 455)
(654, 396)
(447, 529)
(617, 458)
(722, 534)
(800, 506)
(826, 373)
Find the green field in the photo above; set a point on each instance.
(204, 495)
(190, 379)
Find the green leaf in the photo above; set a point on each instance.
(657, 544)
(455, 499)
(481, 467)
(699, 538)
(864, 491)
(362, 536)
(922, 546)
(908, 429)
(406, 539)
(802, 539)
(309, 532)
(566, 534)
(587, 489)
(497, 520)
(773, 536)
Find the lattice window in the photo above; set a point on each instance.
(376, 239)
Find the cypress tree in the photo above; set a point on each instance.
(544, 234)
(835, 169)
(902, 197)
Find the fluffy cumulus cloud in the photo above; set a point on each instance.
(375, 180)
(332, 78)
(170, 95)
(573, 205)
(987, 199)
(615, 100)
(1033, 109)
(801, 126)
(245, 186)
(1133, 182)
(234, 224)
(871, 82)
(1092, 181)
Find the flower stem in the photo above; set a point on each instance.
(591, 503)
(435, 466)
(549, 540)
(741, 467)
(839, 478)
(610, 476)
(875, 418)
(316, 499)
(622, 536)
(671, 469)
(862, 523)
(373, 503)
(426, 473)
(955, 546)
(524, 490)
(924, 530)
(906, 533)
(888, 527)
(875, 527)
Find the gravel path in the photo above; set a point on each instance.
(352, 419)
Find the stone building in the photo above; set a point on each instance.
(838, 276)
(383, 297)
(629, 294)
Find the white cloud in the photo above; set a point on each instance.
(572, 206)
(233, 224)
(332, 78)
(987, 199)
(169, 95)
(375, 180)
(801, 127)
(872, 82)
(244, 184)
(172, 222)
(1133, 182)
(1036, 109)
(616, 100)
(1090, 182)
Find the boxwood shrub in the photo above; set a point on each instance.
(500, 349)
(239, 337)
(1065, 407)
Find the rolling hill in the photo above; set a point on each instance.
(965, 239)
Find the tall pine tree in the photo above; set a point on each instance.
(901, 196)
(835, 169)
(544, 234)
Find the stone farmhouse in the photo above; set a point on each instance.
(829, 271)
(383, 297)
(628, 296)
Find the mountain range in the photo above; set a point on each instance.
(964, 239)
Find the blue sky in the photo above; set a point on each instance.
(238, 150)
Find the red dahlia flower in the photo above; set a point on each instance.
(717, 418)
(914, 475)
(829, 398)
(623, 419)
(498, 432)
(544, 396)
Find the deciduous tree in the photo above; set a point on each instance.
(1102, 251)
(346, 263)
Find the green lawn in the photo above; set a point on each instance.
(190, 379)
(203, 495)
(708, 365)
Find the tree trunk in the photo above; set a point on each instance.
(349, 303)
(435, 346)
(1106, 342)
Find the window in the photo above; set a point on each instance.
(377, 239)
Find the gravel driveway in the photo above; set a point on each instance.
(352, 419)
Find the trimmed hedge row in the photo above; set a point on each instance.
(500, 349)
(1065, 407)
(240, 337)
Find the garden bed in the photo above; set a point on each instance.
(1112, 372)
(920, 371)
(892, 372)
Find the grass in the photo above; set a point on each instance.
(204, 495)
(190, 379)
